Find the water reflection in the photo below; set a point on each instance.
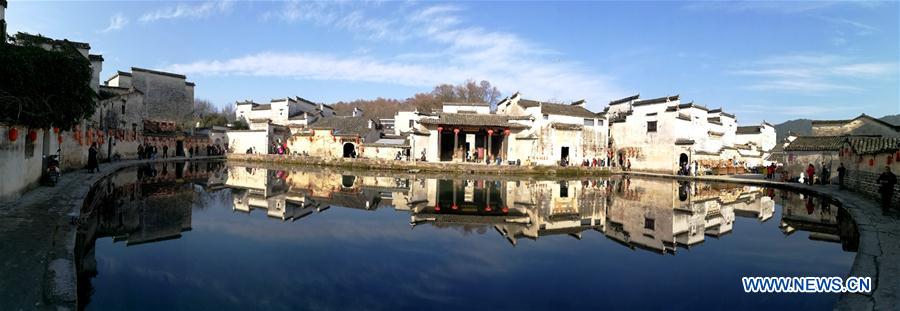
(155, 203)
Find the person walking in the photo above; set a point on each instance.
(886, 182)
(140, 152)
(823, 174)
(93, 165)
(842, 172)
(810, 172)
(165, 151)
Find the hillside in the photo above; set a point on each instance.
(804, 126)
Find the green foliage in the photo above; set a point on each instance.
(213, 119)
(240, 124)
(43, 89)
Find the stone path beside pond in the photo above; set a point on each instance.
(879, 239)
(37, 240)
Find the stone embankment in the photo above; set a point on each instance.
(878, 255)
(37, 240)
(424, 167)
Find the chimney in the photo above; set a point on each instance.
(579, 103)
(3, 5)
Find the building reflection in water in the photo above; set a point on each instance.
(148, 204)
(154, 203)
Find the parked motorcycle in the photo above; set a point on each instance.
(51, 174)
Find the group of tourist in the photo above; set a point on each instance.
(689, 169)
(822, 176)
(149, 151)
(593, 162)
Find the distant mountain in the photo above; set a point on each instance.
(804, 126)
(892, 119)
(799, 127)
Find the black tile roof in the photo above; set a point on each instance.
(692, 105)
(625, 100)
(750, 129)
(874, 145)
(95, 57)
(722, 113)
(345, 126)
(566, 110)
(472, 119)
(39, 38)
(262, 107)
(862, 116)
(468, 104)
(816, 143)
(527, 103)
(162, 73)
(246, 102)
(655, 100)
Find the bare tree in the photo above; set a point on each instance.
(228, 111)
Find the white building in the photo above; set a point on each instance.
(663, 134)
(295, 112)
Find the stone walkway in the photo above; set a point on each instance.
(37, 240)
(879, 239)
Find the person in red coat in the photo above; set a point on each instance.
(810, 172)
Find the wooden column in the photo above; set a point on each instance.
(455, 141)
(489, 146)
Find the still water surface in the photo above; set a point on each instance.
(214, 236)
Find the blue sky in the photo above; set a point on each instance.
(769, 61)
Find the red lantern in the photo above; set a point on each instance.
(32, 135)
(440, 128)
(13, 134)
(455, 131)
(437, 207)
(871, 162)
(454, 206)
(487, 208)
(490, 132)
(505, 209)
(56, 130)
(506, 132)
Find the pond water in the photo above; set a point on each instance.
(216, 236)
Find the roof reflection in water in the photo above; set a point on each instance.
(657, 215)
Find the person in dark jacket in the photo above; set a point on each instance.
(93, 165)
(842, 172)
(886, 182)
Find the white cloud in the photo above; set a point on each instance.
(862, 29)
(813, 73)
(183, 10)
(116, 22)
(783, 7)
(453, 52)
